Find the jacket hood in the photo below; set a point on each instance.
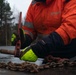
(49, 1)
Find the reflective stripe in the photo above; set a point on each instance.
(26, 31)
(40, 36)
(28, 24)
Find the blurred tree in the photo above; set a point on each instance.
(5, 22)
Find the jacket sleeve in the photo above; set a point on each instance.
(28, 25)
(67, 30)
(62, 36)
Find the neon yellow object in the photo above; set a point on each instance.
(29, 56)
(13, 37)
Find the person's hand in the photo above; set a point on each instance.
(15, 37)
(25, 39)
(27, 54)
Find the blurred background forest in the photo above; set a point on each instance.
(8, 22)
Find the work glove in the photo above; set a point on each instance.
(15, 37)
(27, 54)
(25, 39)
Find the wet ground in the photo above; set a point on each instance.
(57, 71)
(53, 71)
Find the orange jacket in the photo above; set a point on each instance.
(54, 15)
